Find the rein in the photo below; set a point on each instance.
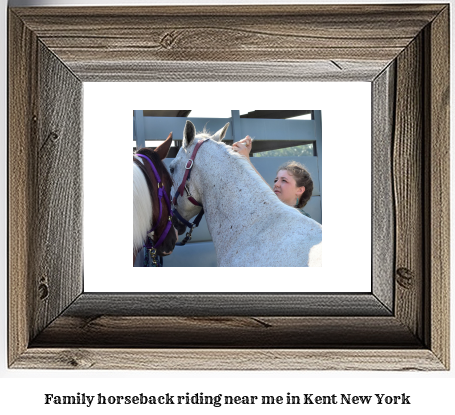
(183, 187)
(149, 245)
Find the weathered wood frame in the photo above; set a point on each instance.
(403, 50)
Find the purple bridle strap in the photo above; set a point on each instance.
(157, 176)
(164, 234)
(161, 192)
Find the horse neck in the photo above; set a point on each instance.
(142, 208)
(233, 194)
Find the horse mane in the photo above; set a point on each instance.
(163, 173)
(159, 165)
(245, 165)
(203, 134)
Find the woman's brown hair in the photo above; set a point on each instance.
(302, 178)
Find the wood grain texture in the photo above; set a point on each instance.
(21, 174)
(256, 332)
(327, 70)
(438, 171)
(383, 215)
(324, 39)
(399, 326)
(45, 187)
(57, 225)
(407, 184)
(235, 359)
(91, 305)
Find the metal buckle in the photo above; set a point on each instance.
(190, 166)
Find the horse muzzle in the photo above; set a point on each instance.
(179, 226)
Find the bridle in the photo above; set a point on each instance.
(149, 245)
(183, 187)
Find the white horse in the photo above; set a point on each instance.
(148, 171)
(249, 225)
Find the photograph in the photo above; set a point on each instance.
(257, 189)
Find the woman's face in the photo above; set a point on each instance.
(286, 188)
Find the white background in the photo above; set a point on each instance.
(346, 172)
(24, 390)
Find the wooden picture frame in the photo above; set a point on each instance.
(403, 324)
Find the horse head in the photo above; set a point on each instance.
(187, 199)
(155, 171)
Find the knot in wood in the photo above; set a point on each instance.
(168, 40)
(53, 136)
(76, 359)
(405, 278)
(43, 291)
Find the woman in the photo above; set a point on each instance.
(293, 184)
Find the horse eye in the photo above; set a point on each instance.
(171, 170)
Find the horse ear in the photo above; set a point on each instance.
(163, 149)
(220, 134)
(188, 133)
